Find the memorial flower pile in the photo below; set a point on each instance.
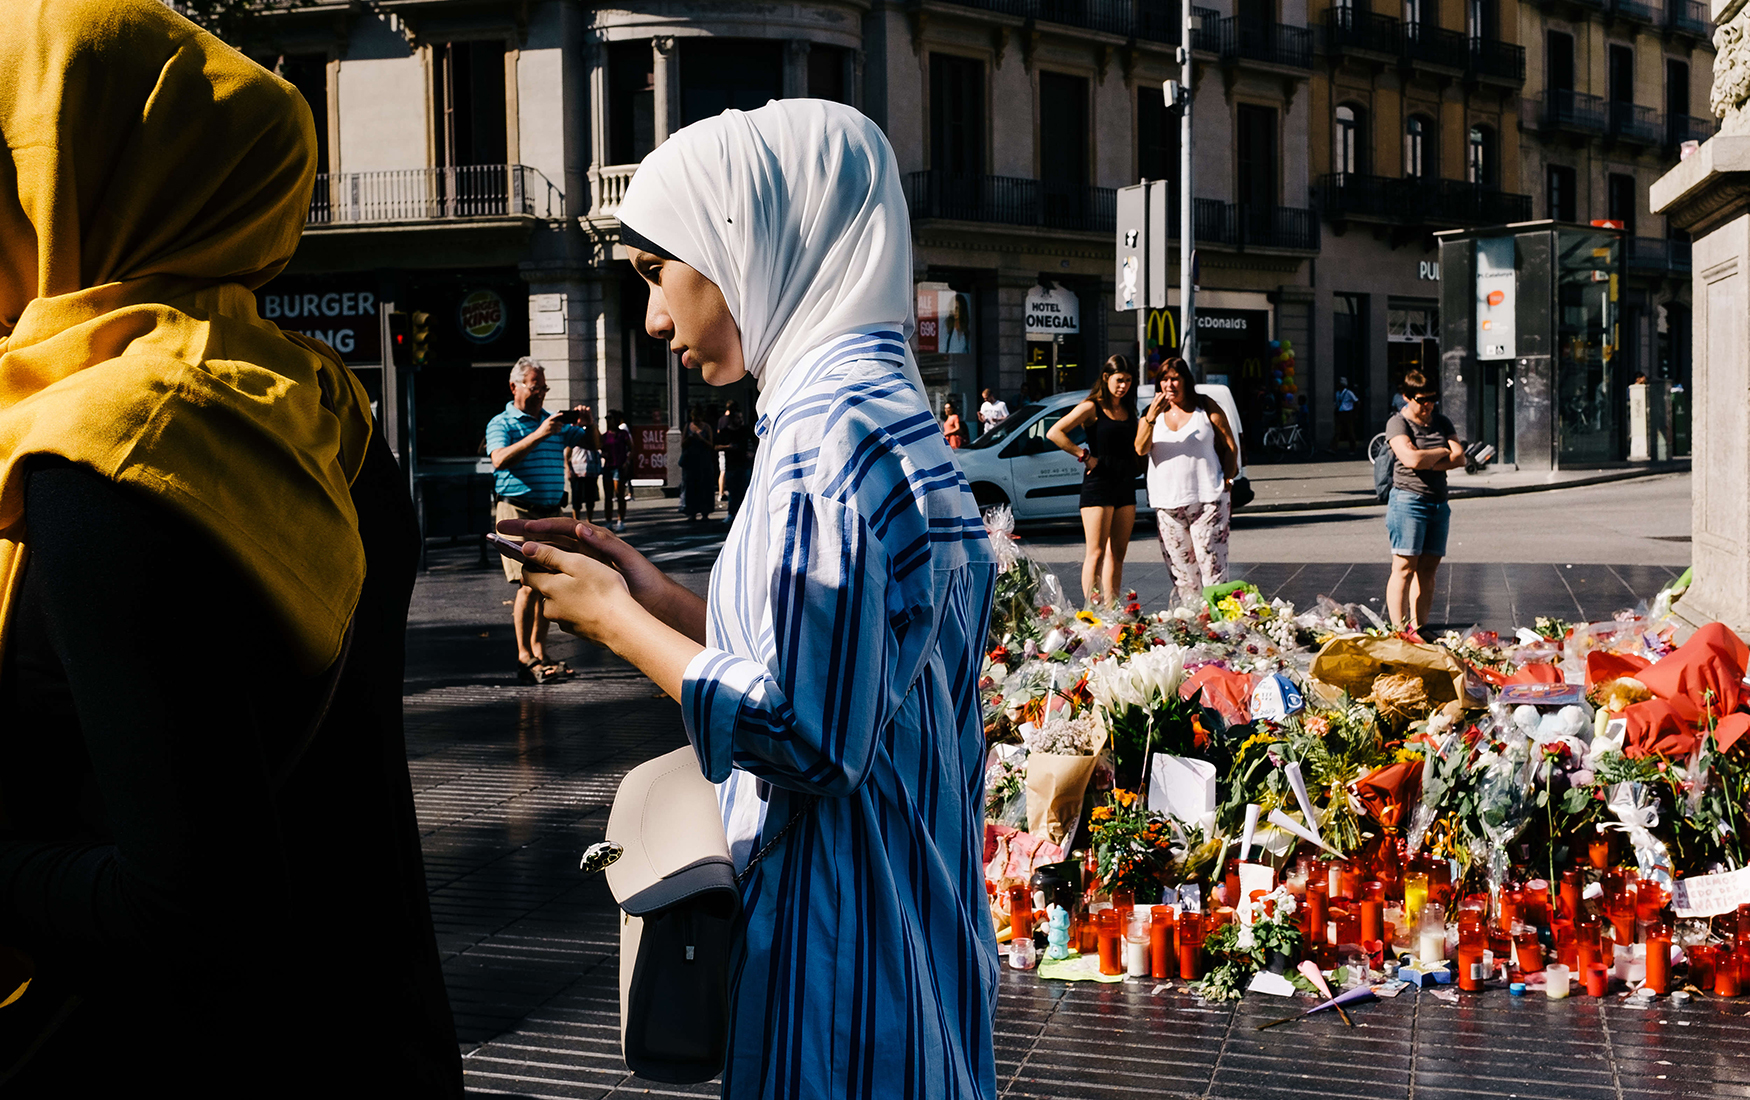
(1392, 788)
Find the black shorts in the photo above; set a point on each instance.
(1108, 492)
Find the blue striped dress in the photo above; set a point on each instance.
(847, 620)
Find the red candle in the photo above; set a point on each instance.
(1160, 942)
(1537, 903)
(1726, 975)
(1350, 877)
(1231, 881)
(1110, 936)
(1190, 946)
(1512, 901)
(1372, 918)
(1316, 897)
(1702, 960)
(1588, 947)
(1598, 852)
(1021, 911)
(1571, 887)
(1123, 901)
(1087, 937)
(1658, 958)
(1742, 940)
(1650, 901)
(1562, 932)
(1470, 969)
(1597, 980)
(1529, 949)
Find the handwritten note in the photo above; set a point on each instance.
(1710, 895)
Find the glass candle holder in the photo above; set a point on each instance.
(1562, 939)
(1572, 884)
(1160, 942)
(1136, 944)
(1702, 960)
(1659, 958)
(1349, 879)
(1527, 947)
(1431, 935)
(1372, 919)
(1110, 936)
(1588, 947)
(1123, 900)
(1537, 907)
(1598, 852)
(1597, 980)
(1726, 974)
(1317, 899)
(1470, 969)
(1650, 901)
(1415, 894)
(1190, 946)
(1021, 911)
(1512, 902)
(1440, 882)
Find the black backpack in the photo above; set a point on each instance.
(1383, 464)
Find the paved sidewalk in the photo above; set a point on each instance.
(1340, 482)
(513, 781)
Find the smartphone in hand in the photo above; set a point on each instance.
(514, 551)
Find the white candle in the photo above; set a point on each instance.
(1431, 946)
(1556, 978)
(1136, 961)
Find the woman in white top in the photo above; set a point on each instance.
(1192, 461)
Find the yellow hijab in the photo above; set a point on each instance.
(154, 178)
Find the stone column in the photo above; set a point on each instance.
(596, 63)
(1709, 195)
(796, 68)
(854, 78)
(666, 75)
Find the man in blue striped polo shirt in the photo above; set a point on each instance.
(527, 448)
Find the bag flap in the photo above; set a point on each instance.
(667, 819)
(703, 877)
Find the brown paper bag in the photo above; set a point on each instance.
(1350, 663)
(1055, 788)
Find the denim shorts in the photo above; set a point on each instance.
(1416, 524)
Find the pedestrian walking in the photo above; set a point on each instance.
(698, 467)
(616, 469)
(837, 655)
(1193, 458)
(206, 557)
(993, 412)
(734, 443)
(1346, 413)
(526, 445)
(953, 428)
(1424, 446)
(584, 465)
(1108, 502)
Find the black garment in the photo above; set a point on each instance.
(698, 473)
(1112, 481)
(278, 938)
(733, 437)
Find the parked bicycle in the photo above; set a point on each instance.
(1287, 442)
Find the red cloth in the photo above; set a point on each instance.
(1388, 793)
(1713, 658)
(1538, 672)
(1730, 728)
(1658, 728)
(1602, 666)
(1225, 691)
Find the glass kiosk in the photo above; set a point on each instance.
(1530, 334)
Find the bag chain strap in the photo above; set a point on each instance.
(807, 804)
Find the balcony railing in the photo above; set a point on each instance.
(607, 186)
(1270, 43)
(1152, 21)
(1639, 10)
(1207, 36)
(1347, 29)
(1425, 44)
(1492, 60)
(1011, 200)
(433, 194)
(1682, 128)
(1570, 110)
(1687, 17)
(1657, 255)
(1632, 122)
(1419, 201)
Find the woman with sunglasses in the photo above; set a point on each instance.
(1424, 446)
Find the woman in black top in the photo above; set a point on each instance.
(1109, 486)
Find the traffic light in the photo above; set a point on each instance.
(400, 339)
(421, 330)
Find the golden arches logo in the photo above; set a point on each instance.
(1162, 329)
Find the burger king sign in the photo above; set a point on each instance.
(481, 316)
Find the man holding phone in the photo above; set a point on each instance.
(527, 448)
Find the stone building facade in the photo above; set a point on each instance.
(475, 152)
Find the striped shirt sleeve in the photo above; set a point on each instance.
(810, 717)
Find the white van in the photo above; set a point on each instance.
(1015, 464)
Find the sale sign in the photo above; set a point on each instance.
(650, 451)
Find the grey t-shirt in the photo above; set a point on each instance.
(1427, 483)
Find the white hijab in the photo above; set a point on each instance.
(796, 212)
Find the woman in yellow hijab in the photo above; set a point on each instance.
(191, 855)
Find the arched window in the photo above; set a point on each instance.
(1349, 138)
(1480, 157)
(1419, 147)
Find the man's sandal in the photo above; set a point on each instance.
(532, 672)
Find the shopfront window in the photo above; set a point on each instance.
(1349, 343)
(947, 346)
(1412, 334)
(1589, 382)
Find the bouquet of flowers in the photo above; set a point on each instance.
(1264, 934)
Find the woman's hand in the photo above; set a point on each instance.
(585, 596)
(654, 590)
(1091, 461)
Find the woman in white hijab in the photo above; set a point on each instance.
(829, 682)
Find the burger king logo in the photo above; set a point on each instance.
(481, 316)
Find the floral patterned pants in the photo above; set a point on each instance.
(1194, 544)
